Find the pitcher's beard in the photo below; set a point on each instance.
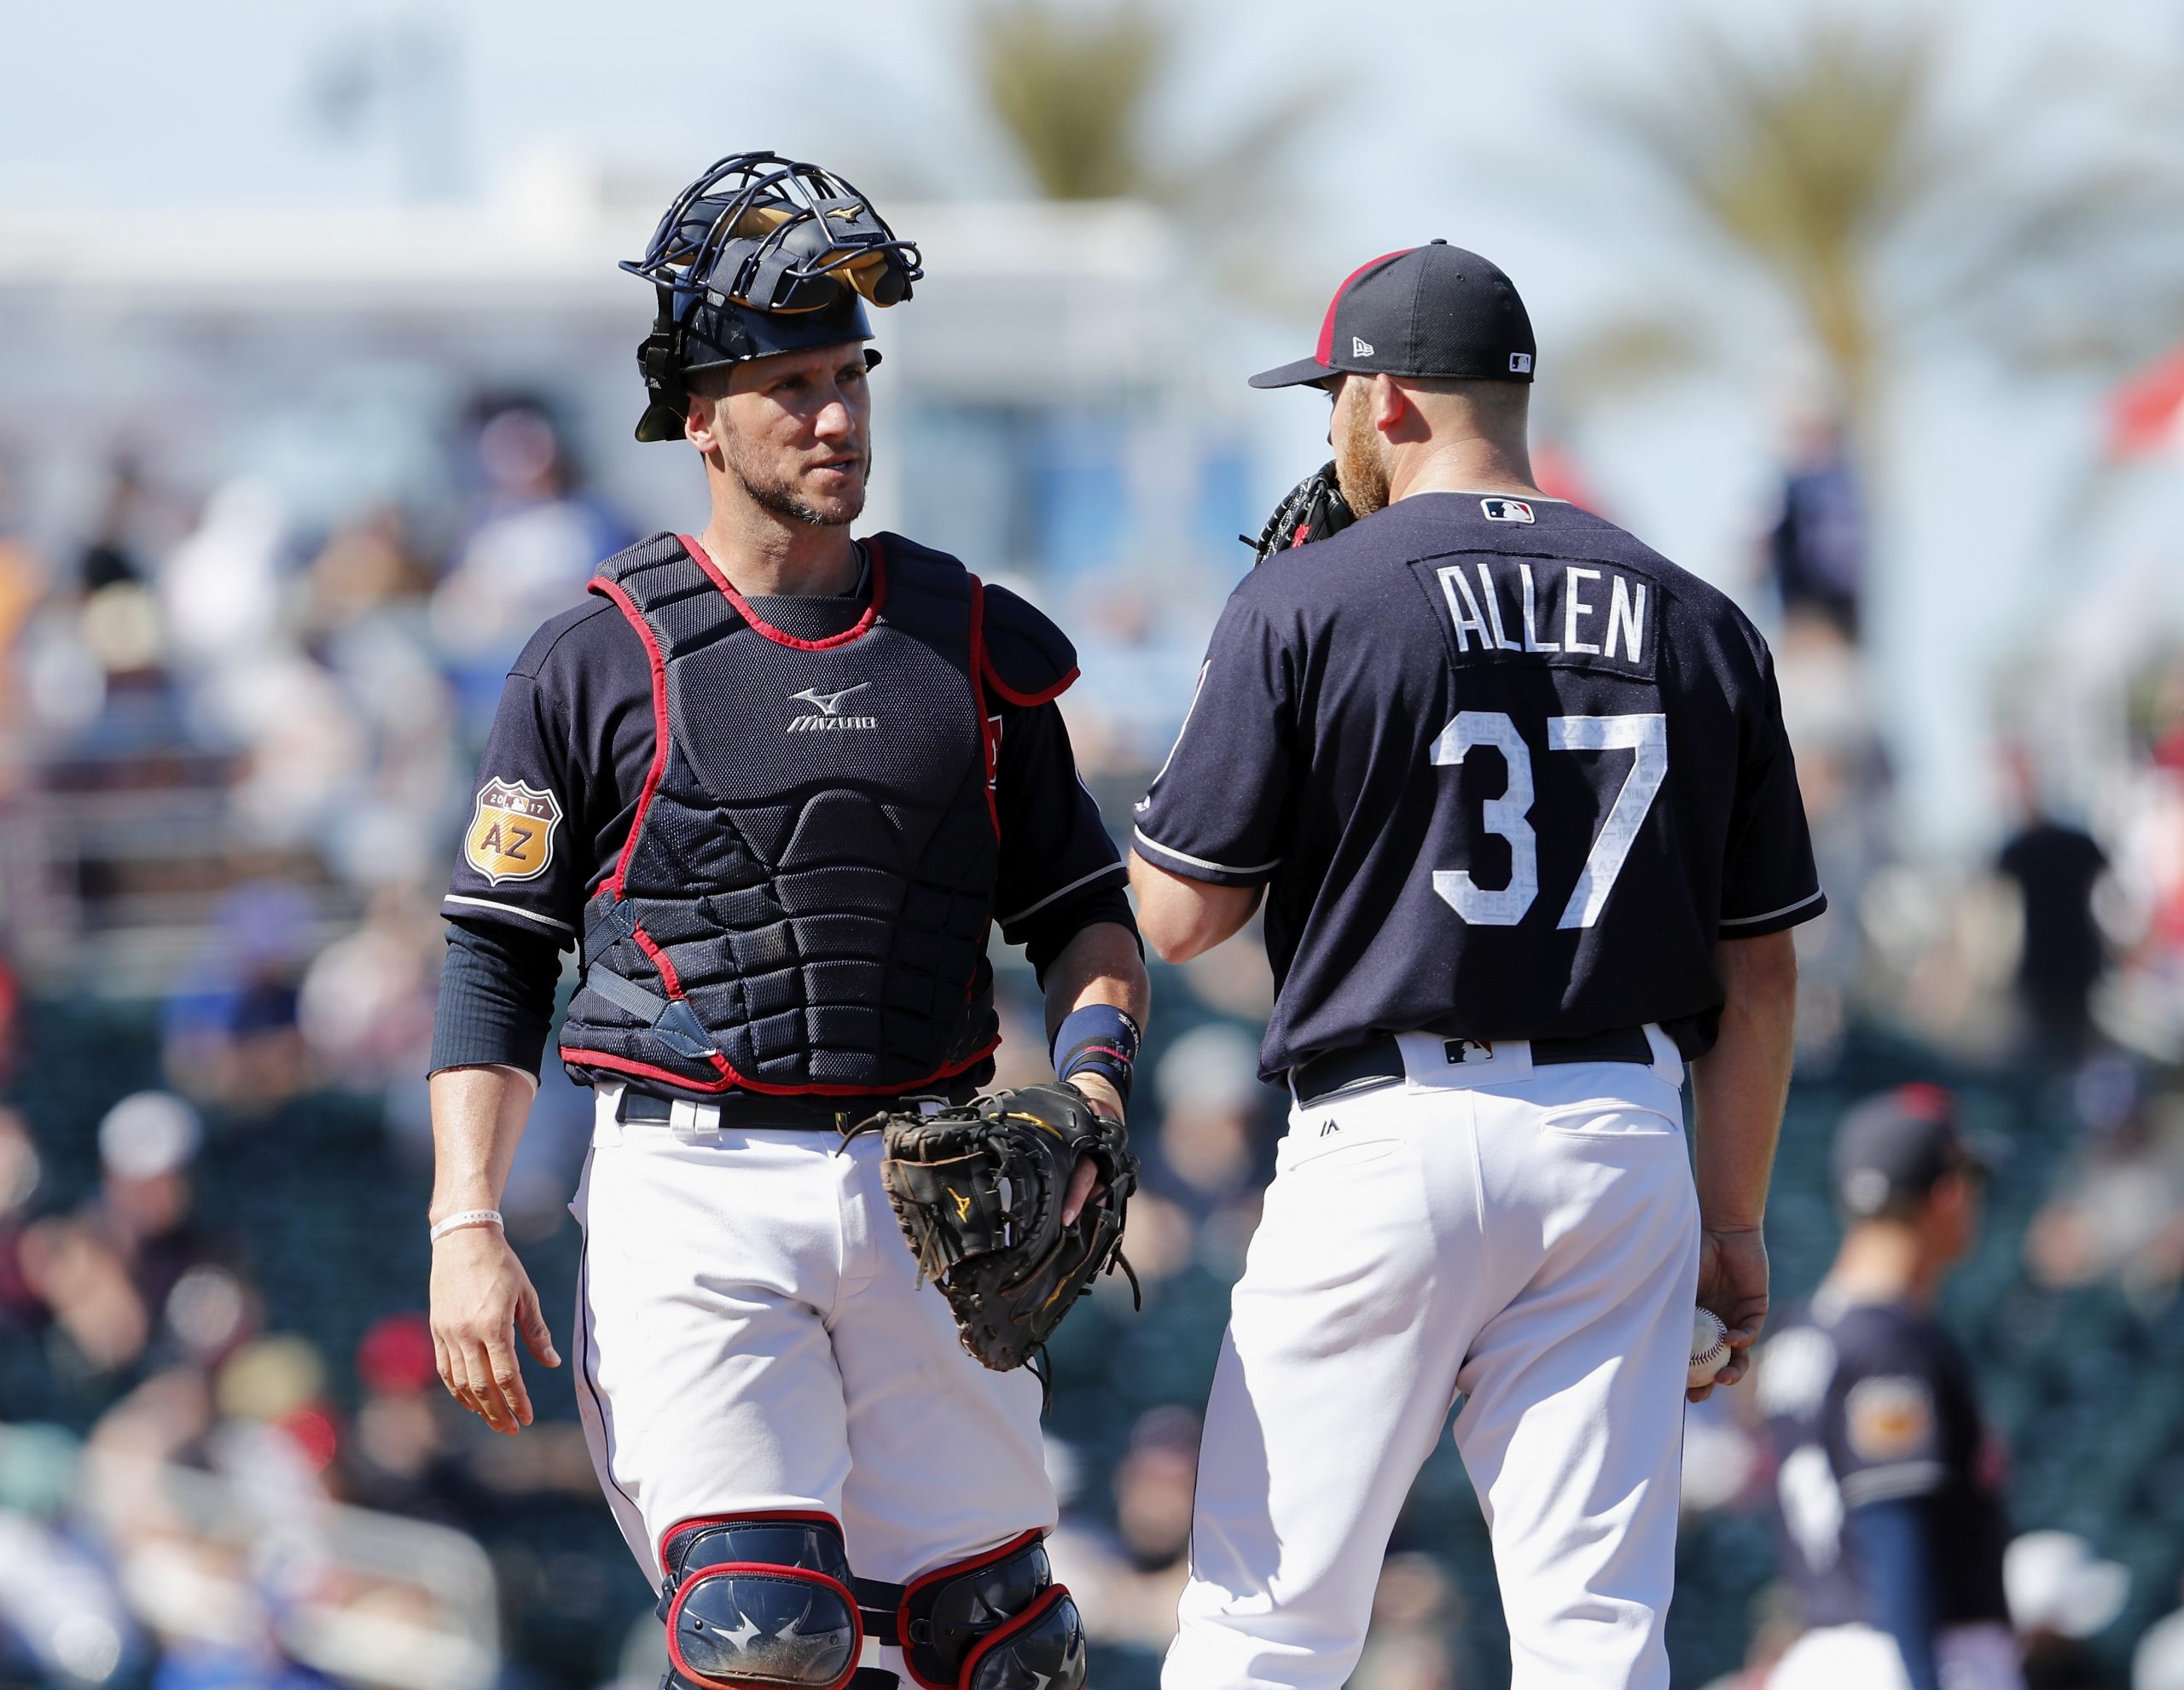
(784, 501)
(1357, 467)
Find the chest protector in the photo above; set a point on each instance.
(803, 900)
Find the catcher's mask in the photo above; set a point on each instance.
(761, 254)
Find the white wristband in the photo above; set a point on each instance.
(465, 1218)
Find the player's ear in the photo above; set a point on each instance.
(1390, 406)
(701, 419)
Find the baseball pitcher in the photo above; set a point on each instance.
(1514, 791)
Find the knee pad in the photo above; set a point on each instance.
(759, 1602)
(996, 1622)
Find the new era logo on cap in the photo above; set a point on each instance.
(1360, 348)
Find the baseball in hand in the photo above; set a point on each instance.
(1710, 1348)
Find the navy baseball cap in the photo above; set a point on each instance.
(1430, 311)
(1893, 1147)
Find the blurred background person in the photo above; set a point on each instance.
(1889, 1482)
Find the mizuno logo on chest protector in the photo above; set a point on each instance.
(827, 717)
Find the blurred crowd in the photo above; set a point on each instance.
(234, 757)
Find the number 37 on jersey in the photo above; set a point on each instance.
(1508, 816)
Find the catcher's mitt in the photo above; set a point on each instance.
(978, 1189)
(1311, 510)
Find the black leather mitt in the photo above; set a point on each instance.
(978, 1189)
(1311, 510)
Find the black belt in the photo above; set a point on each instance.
(754, 1110)
(1380, 1060)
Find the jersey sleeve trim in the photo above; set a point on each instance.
(1060, 893)
(1892, 1483)
(1190, 862)
(496, 905)
(1818, 895)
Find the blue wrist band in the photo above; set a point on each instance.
(1097, 1039)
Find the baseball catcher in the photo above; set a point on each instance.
(779, 783)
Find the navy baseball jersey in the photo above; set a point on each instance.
(572, 749)
(1504, 771)
(1873, 1403)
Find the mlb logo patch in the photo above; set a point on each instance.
(1521, 363)
(1506, 510)
(1465, 1051)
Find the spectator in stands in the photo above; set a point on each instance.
(146, 1142)
(229, 1030)
(365, 1008)
(1128, 1583)
(400, 1458)
(2055, 867)
(109, 558)
(104, 1272)
(2118, 1212)
(1816, 551)
(2061, 1594)
(1208, 1148)
(1415, 1610)
(537, 539)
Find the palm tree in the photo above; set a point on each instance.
(1890, 229)
(1073, 85)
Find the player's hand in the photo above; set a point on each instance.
(1733, 1283)
(1084, 1182)
(481, 1298)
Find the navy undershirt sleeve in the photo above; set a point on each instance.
(1894, 1548)
(496, 995)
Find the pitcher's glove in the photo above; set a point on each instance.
(1311, 510)
(978, 1189)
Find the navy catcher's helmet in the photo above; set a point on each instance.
(761, 254)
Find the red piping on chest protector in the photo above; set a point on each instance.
(857, 631)
(732, 1081)
(729, 1079)
(988, 728)
(612, 590)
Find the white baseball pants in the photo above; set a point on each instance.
(751, 1336)
(1835, 1656)
(1527, 1238)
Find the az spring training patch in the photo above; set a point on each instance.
(511, 835)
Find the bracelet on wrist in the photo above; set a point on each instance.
(465, 1217)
